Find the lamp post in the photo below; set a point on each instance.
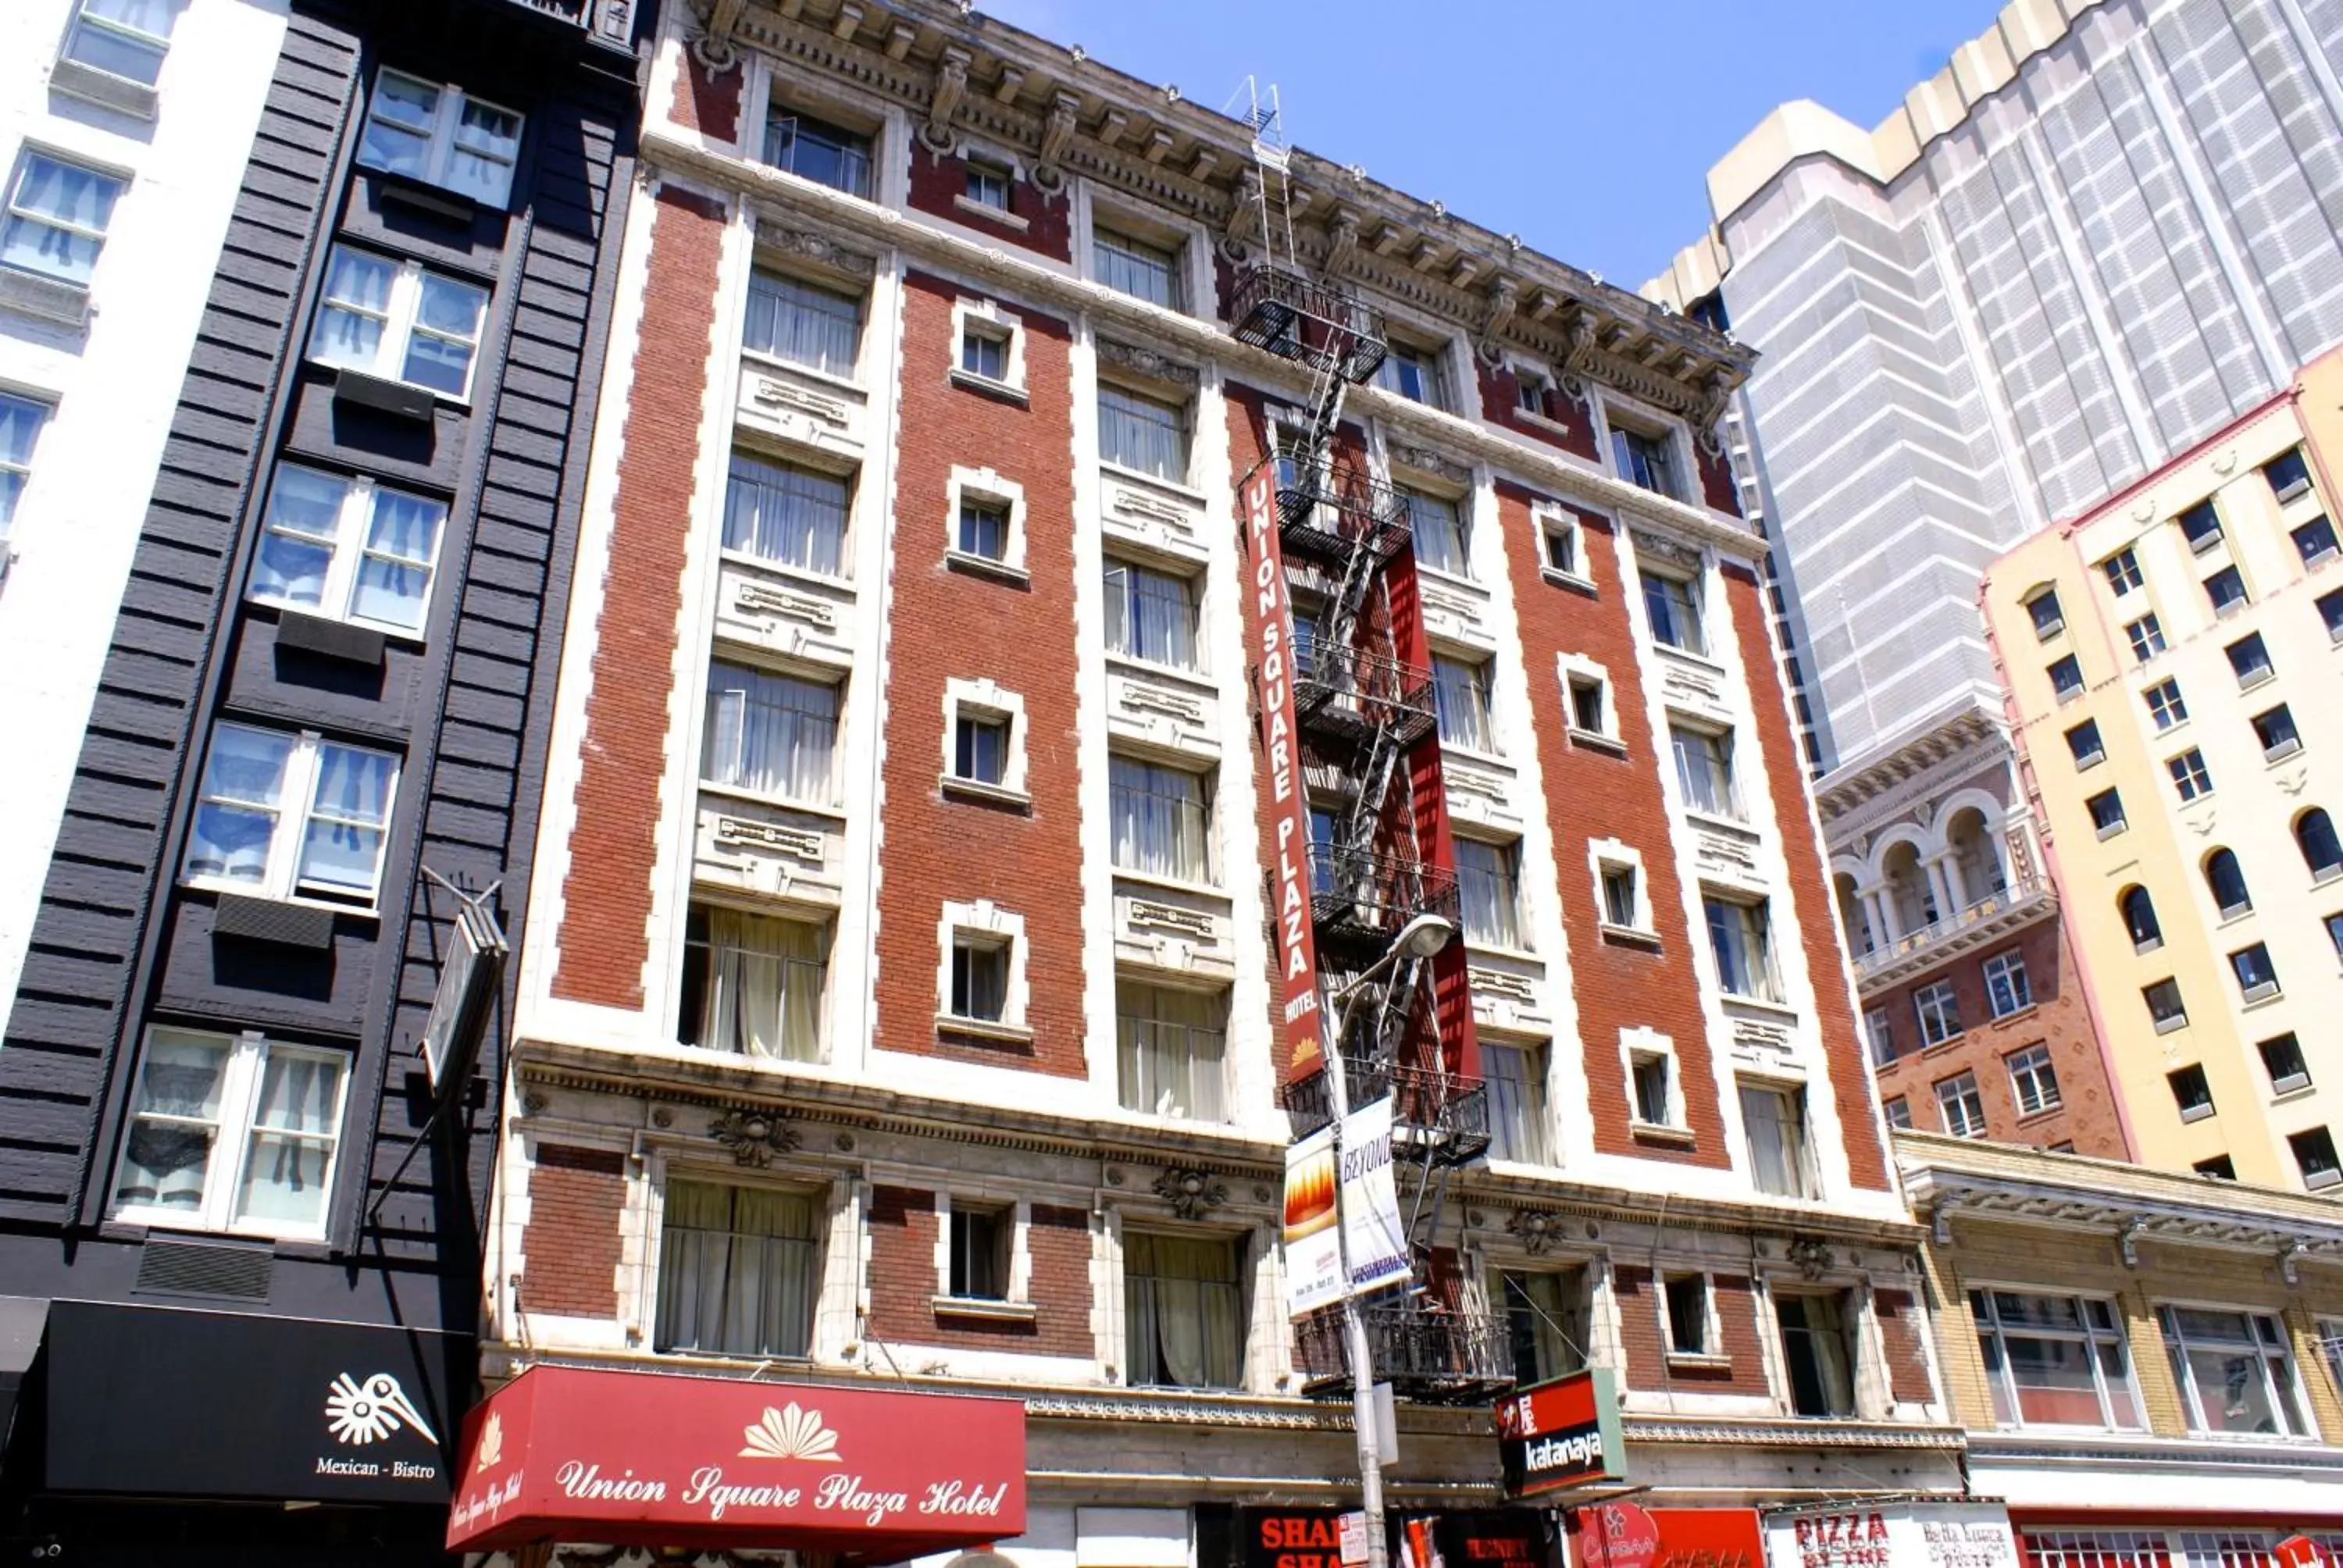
(1423, 936)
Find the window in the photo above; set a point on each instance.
(1687, 1298)
(979, 1253)
(1586, 706)
(2274, 727)
(2220, 1167)
(2314, 834)
(1774, 1120)
(1961, 1105)
(2226, 589)
(2138, 912)
(1560, 537)
(1183, 1312)
(2147, 634)
(1656, 1101)
(1161, 819)
(2123, 571)
(1645, 461)
(984, 350)
(1460, 695)
(2192, 1093)
(1515, 1075)
(2314, 541)
(1529, 391)
(2330, 613)
(818, 151)
(803, 324)
(1939, 1012)
(1740, 937)
(1673, 606)
(1816, 1351)
(347, 549)
(232, 1133)
(2200, 525)
(2313, 1153)
(286, 816)
(442, 136)
(2055, 1361)
(2226, 879)
(394, 320)
(21, 419)
(2288, 475)
(738, 1271)
(2043, 609)
(2257, 976)
(2233, 1372)
(2164, 704)
(979, 978)
(125, 38)
(1879, 1034)
(752, 984)
(2083, 743)
(1414, 373)
(982, 529)
(1437, 526)
(1546, 1320)
(770, 733)
(2164, 1008)
(1705, 769)
(1150, 615)
(987, 185)
(2250, 659)
(1143, 433)
(2066, 678)
(1169, 1046)
(2006, 989)
(2335, 933)
(1132, 267)
(1623, 904)
(1899, 1112)
(981, 748)
(790, 516)
(2189, 778)
(1488, 881)
(56, 218)
(2282, 1058)
(2106, 813)
(2033, 1080)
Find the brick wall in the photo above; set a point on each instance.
(1900, 1327)
(944, 624)
(938, 179)
(707, 102)
(1716, 484)
(1501, 404)
(1777, 748)
(570, 1244)
(1595, 794)
(904, 1282)
(2059, 1019)
(613, 839)
(1740, 1366)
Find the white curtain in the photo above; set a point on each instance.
(1171, 1046)
(737, 1270)
(1158, 817)
(1486, 886)
(350, 319)
(394, 582)
(770, 733)
(1517, 1105)
(304, 526)
(1150, 615)
(1460, 696)
(790, 515)
(1141, 433)
(764, 987)
(1186, 1312)
(803, 324)
(342, 841)
(243, 782)
(1438, 532)
(1777, 1154)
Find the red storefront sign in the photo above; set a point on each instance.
(645, 1459)
(2301, 1551)
(1288, 803)
(1623, 1535)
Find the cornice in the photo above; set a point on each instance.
(871, 225)
(1916, 766)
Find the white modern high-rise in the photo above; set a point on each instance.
(2101, 233)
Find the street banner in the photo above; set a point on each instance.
(1313, 1236)
(1373, 1235)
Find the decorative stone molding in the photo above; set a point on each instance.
(1148, 362)
(750, 833)
(1342, 243)
(714, 47)
(1505, 299)
(759, 598)
(1149, 914)
(1424, 460)
(817, 248)
(1534, 1228)
(951, 87)
(770, 392)
(1192, 1194)
(1057, 136)
(754, 1134)
(1659, 547)
(1812, 1256)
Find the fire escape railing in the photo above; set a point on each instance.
(1296, 318)
(1425, 1350)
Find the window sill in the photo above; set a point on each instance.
(986, 213)
(1685, 1361)
(1570, 580)
(2106, 833)
(2321, 878)
(103, 89)
(1494, 950)
(983, 1307)
(1627, 936)
(2171, 1025)
(46, 299)
(2141, 950)
(2189, 1114)
(985, 385)
(2084, 764)
(1454, 579)
(2287, 1089)
(764, 361)
(1155, 481)
(1172, 884)
(1595, 740)
(1696, 656)
(2278, 754)
(2016, 1012)
(778, 802)
(1131, 663)
(789, 570)
(1536, 420)
(1460, 753)
(986, 567)
(1955, 1037)
(1763, 1004)
(133, 1224)
(2259, 678)
(2028, 1118)
(977, 791)
(983, 1029)
(1740, 825)
(2270, 998)
(1660, 1133)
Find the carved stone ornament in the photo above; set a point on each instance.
(1341, 242)
(1148, 362)
(1192, 1194)
(1658, 546)
(714, 47)
(1708, 418)
(1505, 299)
(1579, 363)
(1534, 1230)
(1244, 216)
(1057, 136)
(663, 1117)
(951, 87)
(1812, 1256)
(532, 1101)
(754, 1134)
(1424, 460)
(817, 248)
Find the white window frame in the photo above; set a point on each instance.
(834, 682)
(447, 121)
(985, 487)
(1184, 407)
(1559, 522)
(1192, 586)
(1696, 607)
(2145, 632)
(1607, 855)
(281, 880)
(240, 1083)
(1641, 1044)
(1479, 671)
(1016, 1217)
(1507, 868)
(1121, 237)
(987, 318)
(2192, 780)
(2122, 571)
(2087, 1334)
(1762, 968)
(982, 924)
(2027, 1066)
(1683, 727)
(131, 36)
(2169, 1329)
(398, 323)
(1460, 508)
(2044, 628)
(2000, 969)
(850, 375)
(13, 211)
(1937, 992)
(1660, 433)
(987, 701)
(1431, 362)
(350, 549)
(1794, 1093)
(1712, 1330)
(1966, 1096)
(20, 471)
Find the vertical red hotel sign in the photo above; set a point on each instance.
(1288, 803)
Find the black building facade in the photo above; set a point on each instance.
(239, 1229)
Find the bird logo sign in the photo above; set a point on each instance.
(359, 1413)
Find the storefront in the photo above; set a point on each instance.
(2055, 1538)
(155, 1435)
(1628, 1535)
(1893, 1536)
(1465, 1538)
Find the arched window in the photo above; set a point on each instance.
(2315, 832)
(2139, 918)
(2228, 880)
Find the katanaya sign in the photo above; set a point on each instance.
(1560, 1433)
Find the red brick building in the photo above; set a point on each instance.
(904, 998)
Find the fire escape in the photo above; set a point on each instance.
(1365, 719)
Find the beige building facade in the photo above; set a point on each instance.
(2170, 658)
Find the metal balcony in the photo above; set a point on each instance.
(1445, 1112)
(1346, 695)
(1326, 512)
(1426, 1351)
(1359, 897)
(1315, 324)
(1987, 920)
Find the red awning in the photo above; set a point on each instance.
(649, 1459)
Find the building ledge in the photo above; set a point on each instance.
(1987, 920)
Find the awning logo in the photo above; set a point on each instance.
(360, 1413)
(791, 1433)
(492, 1443)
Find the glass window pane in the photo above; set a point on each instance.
(342, 846)
(59, 214)
(297, 548)
(291, 1152)
(394, 582)
(166, 1158)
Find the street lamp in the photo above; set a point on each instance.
(1422, 937)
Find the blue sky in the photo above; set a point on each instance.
(1585, 126)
